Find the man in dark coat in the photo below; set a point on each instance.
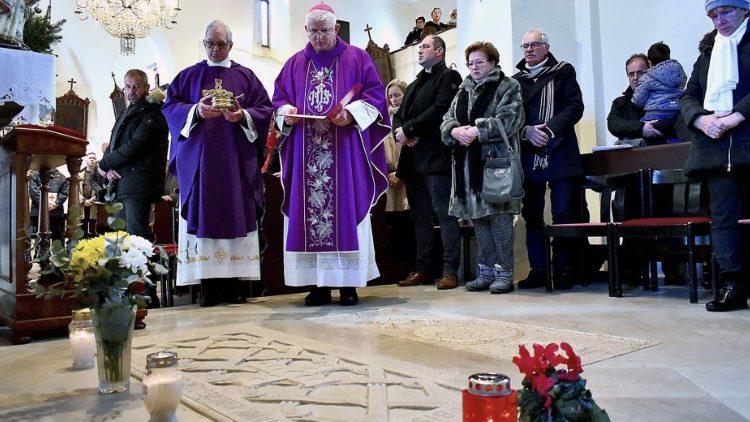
(416, 34)
(550, 155)
(716, 110)
(137, 155)
(57, 195)
(425, 160)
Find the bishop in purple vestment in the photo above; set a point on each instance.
(216, 156)
(334, 167)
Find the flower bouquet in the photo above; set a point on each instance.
(105, 274)
(550, 394)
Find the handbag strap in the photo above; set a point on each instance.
(505, 137)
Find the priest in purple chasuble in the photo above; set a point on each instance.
(215, 154)
(333, 169)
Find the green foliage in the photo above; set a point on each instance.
(102, 271)
(40, 34)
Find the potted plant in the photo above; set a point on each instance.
(554, 395)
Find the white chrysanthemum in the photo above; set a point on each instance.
(140, 244)
(135, 260)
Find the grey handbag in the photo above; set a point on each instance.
(503, 176)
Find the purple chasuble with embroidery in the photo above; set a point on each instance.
(217, 167)
(332, 176)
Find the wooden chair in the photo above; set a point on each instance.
(605, 185)
(686, 220)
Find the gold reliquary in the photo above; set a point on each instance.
(221, 99)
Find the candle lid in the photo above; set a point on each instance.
(161, 359)
(81, 314)
(489, 384)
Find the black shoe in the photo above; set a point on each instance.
(534, 280)
(348, 296)
(318, 296)
(731, 297)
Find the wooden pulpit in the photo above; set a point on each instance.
(22, 149)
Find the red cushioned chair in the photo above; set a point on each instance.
(605, 186)
(687, 220)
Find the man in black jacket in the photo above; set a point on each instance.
(137, 155)
(549, 149)
(624, 119)
(416, 34)
(425, 161)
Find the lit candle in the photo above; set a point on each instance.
(82, 339)
(162, 386)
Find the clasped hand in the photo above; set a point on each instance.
(465, 135)
(715, 127)
(403, 139)
(537, 135)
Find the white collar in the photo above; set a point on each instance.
(539, 65)
(224, 63)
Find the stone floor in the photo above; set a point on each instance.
(698, 370)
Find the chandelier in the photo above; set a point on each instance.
(129, 19)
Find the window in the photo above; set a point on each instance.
(264, 27)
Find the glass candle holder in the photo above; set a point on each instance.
(162, 386)
(489, 398)
(82, 339)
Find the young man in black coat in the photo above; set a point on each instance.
(137, 155)
(425, 161)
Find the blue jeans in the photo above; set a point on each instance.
(427, 194)
(565, 203)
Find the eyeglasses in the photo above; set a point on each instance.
(637, 73)
(211, 44)
(476, 62)
(534, 44)
(319, 32)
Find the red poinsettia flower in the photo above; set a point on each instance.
(524, 362)
(573, 361)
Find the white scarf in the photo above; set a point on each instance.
(723, 72)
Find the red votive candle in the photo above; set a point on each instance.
(489, 398)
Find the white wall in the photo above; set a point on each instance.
(595, 36)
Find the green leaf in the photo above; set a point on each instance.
(118, 224)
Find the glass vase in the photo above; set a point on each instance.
(113, 327)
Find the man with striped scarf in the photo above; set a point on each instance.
(550, 155)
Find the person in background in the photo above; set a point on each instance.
(416, 34)
(216, 155)
(88, 192)
(333, 169)
(658, 90)
(487, 103)
(553, 104)
(424, 163)
(57, 194)
(434, 25)
(453, 18)
(403, 243)
(716, 105)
